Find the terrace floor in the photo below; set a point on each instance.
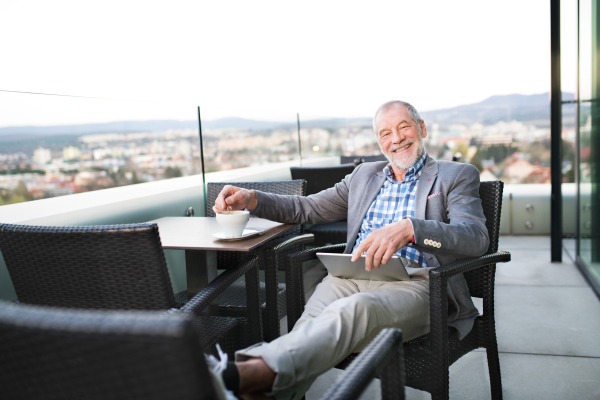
(548, 327)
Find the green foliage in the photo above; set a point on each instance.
(172, 172)
(499, 152)
(134, 178)
(22, 171)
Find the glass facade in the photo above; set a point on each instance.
(588, 139)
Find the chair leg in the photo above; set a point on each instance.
(253, 308)
(494, 368)
(271, 321)
(440, 382)
(392, 377)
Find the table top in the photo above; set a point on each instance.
(195, 233)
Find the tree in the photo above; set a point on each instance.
(172, 172)
(21, 190)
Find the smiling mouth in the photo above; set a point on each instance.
(401, 149)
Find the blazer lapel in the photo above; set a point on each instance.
(370, 193)
(426, 181)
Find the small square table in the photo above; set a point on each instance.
(194, 235)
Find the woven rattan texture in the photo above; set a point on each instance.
(428, 358)
(383, 359)
(274, 308)
(108, 267)
(293, 188)
(318, 179)
(321, 178)
(58, 354)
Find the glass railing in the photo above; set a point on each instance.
(57, 145)
(233, 138)
(323, 136)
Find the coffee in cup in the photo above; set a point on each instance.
(233, 222)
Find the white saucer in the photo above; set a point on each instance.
(248, 233)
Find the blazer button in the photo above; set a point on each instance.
(426, 241)
(438, 245)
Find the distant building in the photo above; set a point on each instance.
(71, 153)
(41, 156)
(487, 175)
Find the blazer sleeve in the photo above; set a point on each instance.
(326, 206)
(465, 233)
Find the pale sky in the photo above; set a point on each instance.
(263, 59)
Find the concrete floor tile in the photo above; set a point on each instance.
(533, 267)
(372, 392)
(548, 320)
(526, 376)
(509, 243)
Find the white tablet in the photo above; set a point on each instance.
(341, 266)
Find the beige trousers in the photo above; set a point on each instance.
(340, 318)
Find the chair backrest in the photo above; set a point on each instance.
(293, 187)
(361, 159)
(50, 353)
(491, 201)
(321, 178)
(111, 266)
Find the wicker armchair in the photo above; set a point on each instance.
(321, 178)
(49, 353)
(429, 357)
(356, 160)
(232, 302)
(116, 267)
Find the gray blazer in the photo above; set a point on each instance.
(452, 220)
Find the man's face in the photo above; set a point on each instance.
(399, 139)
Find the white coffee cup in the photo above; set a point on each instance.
(233, 222)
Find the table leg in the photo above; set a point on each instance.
(201, 268)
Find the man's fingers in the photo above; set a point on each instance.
(359, 250)
(387, 256)
(377, 258)
(236, 201)
(369, 257)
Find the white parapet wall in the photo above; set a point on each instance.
(137, 203)
(525, 208)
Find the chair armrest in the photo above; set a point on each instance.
(296, 240)
(469, 264)
(203, 299)
(383, 356)
(438, 298)
(294, 279)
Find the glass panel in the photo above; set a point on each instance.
(59, 145)
(234, 138)
(589, 137)
(323, 136)
(568, 48)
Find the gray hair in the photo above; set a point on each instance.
(409, 107)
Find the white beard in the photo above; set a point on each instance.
(410, 159)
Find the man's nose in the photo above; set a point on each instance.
(397, 137)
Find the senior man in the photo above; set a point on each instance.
(426, 211)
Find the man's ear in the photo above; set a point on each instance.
(423, 129)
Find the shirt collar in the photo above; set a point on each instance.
(412, 174)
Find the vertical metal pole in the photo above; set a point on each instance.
(202, 158)
(576, 160)
(299, 141)
(555, 135)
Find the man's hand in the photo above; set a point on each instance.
(382, 243)
(235, 198)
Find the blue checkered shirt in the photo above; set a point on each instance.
(395, 201)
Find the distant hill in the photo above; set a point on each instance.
(526, 108)
(533, 108)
